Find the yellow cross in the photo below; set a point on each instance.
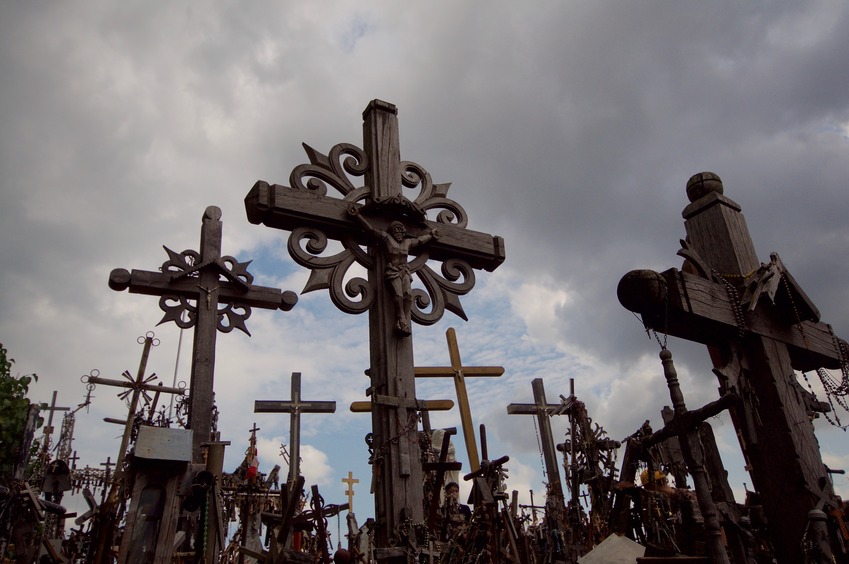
(459, 372)
(350, 480)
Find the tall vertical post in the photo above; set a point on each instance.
(378, 215)
(399, 494)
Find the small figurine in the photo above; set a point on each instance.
(397, 274)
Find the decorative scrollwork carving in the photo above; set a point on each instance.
(345, 159)
(183, 310)
(442, 291)
(306, 245)
(330, 272)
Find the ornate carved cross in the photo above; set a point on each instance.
(294, 408)
(382, 247)
(211, 293)
(759, 326)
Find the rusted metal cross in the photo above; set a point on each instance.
(379, 217)
(48, 429)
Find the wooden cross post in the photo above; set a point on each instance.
(223, 294)
(294, 408)
(48, 429)
(134, 389)
(459, 373)
(390, 226)
(543, 411)
(759, 327)
(350, 481)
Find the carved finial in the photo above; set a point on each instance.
(702, 184)
(212, 212)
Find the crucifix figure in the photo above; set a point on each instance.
(313, 218)
(459, 372)
(211, 293)
(759, 326)
(397, 245)
(294, 408)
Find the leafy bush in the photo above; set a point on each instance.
(14, 410)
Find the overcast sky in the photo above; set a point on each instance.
(568, 128)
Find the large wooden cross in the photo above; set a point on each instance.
(459, 373)
(294, 408)
(759, 327)
(212, 293)
(390, 225)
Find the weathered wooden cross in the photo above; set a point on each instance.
(543, 411)
(459, 373)
(759, 327)
(294, 408)
(350, 481)
(394, 226)
(210, 281)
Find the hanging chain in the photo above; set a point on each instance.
(206, 522)
(539, 448)
(834, 391)
(339, 529)
(663, 342)
(403, 430)
(734, 299)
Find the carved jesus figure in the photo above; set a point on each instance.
(397, 246)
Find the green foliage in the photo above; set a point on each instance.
(14, 409)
